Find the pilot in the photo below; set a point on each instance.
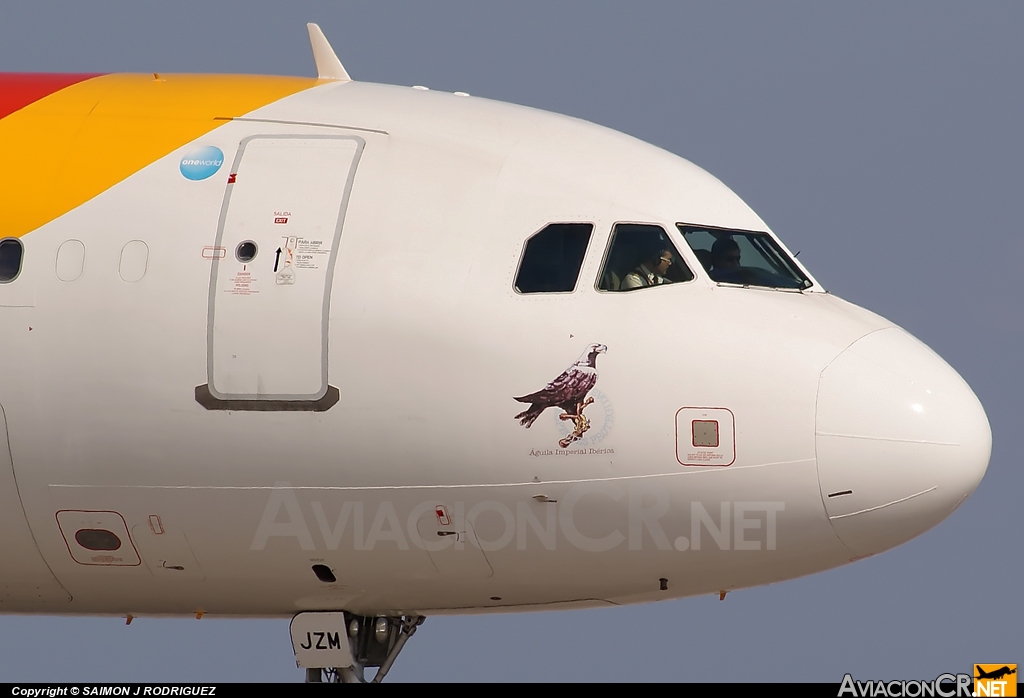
(651, 272)
(725, 261)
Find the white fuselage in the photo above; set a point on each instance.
(411, 318)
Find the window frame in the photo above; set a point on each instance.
(21, 259)
(608, 249)
(583, 260)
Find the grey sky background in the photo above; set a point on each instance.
(881, 140)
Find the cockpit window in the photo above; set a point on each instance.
(639, 256)
(553, 258)
(742, 257)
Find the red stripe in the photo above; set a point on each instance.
(19, 90)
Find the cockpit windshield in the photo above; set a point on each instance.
(742, 257)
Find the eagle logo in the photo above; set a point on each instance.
(568, 392)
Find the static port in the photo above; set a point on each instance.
(324, 574)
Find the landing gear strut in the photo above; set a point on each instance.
(374, 642)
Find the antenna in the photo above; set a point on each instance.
(328, 67)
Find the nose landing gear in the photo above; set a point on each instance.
(372, 642)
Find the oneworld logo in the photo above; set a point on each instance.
(201, 163)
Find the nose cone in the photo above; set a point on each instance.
(901, 441)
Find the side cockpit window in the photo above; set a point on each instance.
(743, 257)
(640, 255)
(553, 257)
(10, 259)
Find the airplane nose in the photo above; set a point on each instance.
(901, 441)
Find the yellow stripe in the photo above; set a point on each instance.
(66, 148)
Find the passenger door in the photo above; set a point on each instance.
(277, 239)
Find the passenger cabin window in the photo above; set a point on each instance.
(553, 257)
(744, 258)
(639, 256)
(10, 259)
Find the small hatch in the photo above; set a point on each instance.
(705, 436)
(97, 539)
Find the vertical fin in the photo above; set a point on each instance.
(328, 67)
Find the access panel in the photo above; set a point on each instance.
(280, 224)
(705, 436)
